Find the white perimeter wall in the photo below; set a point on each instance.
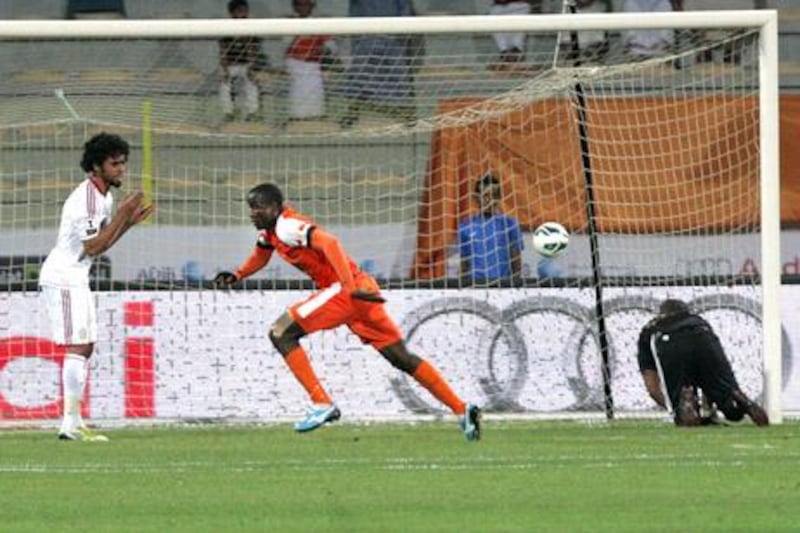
(212, 358)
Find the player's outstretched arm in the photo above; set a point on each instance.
(255, 262)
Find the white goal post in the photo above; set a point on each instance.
(340, 185)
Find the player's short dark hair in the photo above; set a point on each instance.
(673, 306)
(264, 195)
(487, 180)
(100, 147)
(233, 5)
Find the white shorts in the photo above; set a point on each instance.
(72, 314)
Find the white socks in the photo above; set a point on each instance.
(73, 378)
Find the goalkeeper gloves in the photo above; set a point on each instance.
(225, 279)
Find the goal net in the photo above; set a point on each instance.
(659, 160)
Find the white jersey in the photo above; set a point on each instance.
(83, 215)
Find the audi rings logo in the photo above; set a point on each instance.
(541, 353)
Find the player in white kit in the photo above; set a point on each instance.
(87, 230)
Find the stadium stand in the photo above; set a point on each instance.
(191, 75)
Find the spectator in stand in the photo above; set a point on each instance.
(306, 58)
(510, 45)
(238, 58)
(381, 72)
(490, 242)
(650, 43)
(592, 45)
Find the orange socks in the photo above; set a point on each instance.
(426, 374)
(430, 378)
(301, 368)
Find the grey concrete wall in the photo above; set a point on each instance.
(202, 180)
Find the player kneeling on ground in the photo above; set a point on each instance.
(345, 296)
(679, 352)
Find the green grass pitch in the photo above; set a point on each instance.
(523, 476)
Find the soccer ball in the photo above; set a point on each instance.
(550, 239)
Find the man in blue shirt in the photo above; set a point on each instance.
(489, 242)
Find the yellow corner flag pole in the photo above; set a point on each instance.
(147, 155)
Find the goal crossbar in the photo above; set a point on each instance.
(213, 28)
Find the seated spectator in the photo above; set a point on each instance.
(381, 72)
(238, 58)
(306, 58)
(650, 43)
(593, 45)
(510, 45)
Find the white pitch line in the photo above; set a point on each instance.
(404, 464)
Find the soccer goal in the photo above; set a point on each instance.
(662, 163)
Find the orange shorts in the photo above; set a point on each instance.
(332, 307)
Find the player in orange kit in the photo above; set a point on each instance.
(345, 296)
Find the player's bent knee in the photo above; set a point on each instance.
(282, 342)
(401, 359)
(285, 337)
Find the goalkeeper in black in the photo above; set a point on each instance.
(679, 354)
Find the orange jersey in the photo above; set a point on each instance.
(308, 48)
(290, 239)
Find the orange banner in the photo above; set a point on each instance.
(659, 164)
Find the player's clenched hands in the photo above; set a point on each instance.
(129, 204)
(142, 212)
(132, 209)
(367, 296)
(225, 279)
